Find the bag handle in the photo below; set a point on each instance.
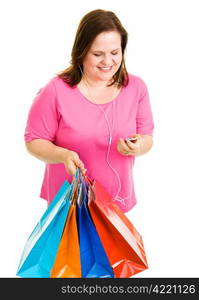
(89, 182)
(87, 178)
(77, 178)
(75, 182)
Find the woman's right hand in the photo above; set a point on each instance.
(72, 162)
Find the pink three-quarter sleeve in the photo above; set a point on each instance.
(43, 115)
(144, 117)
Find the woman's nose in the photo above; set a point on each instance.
(107, 60)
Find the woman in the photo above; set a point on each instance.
(83, 116)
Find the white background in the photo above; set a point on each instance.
(163, 47)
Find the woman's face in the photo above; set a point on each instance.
(104, 56)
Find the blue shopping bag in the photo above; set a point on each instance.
(41, 247)
(94, 261)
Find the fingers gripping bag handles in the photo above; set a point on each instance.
(122, 242)
(94, 261)
(67, 262)
(40, 249)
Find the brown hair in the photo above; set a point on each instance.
(92, 24)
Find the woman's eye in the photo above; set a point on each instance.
(100, 54)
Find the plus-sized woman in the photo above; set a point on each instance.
(84, 116)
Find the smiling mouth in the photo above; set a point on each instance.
(105, 68)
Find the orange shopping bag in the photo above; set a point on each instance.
(67, 262)
(122, 242)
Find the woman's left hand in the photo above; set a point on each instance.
(128, 148)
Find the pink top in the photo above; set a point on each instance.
(65, 117)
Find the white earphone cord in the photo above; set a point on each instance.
(117, 197)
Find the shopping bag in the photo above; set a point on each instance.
(94, 261)
(67, 262)
(122, 242)
(41, 247)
